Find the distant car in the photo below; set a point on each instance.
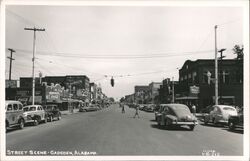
(176, 115)
(141, 107)
(88, 108)
(149, 108)
(34, 114)
(236, 121)
(52, 112)
(219, 114)
(14, 114)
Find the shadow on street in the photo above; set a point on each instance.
(238, 131)
(172, 128)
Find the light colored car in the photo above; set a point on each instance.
(34, 114)
(89, 108)
(176, 115)
(219, 114)
(14, 114)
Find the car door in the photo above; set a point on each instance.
(41, 112)
(212, 112)
(15, 115)
(9, 114)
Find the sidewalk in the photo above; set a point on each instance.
(67, 112)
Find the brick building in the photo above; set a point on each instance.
(194, 88)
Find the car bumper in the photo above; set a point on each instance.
(185, 123)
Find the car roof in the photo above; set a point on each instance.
(222, 106)
(12, 101)
(31, 106)
(175, 106)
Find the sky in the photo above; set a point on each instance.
(136, 45)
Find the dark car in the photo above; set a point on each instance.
(236, 121)
(149, 108)
(176, 115)
(52, 112)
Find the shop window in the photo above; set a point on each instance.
(194, 77)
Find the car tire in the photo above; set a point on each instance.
(191, 127)
(36, 122)
(59, 117)
(50, 119)
(215, 122)
(167, 124)
(45, 120)
(231, 126)
(21, 124)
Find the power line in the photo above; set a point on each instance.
(128, 56)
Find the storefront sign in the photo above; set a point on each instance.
(11, 83)
(194, 89)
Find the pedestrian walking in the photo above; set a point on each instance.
(123, 108)
(137, 112)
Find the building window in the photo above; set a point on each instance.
(194, 77)
(189, 78)
(185, 77)
(225, 76)
(205, 77)
(181, 78)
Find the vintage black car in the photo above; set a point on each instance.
(236, 121)
(176, 115)
(52, 112)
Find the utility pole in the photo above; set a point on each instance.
(11, 51)
(33, 60)
(172, 89)
(216, 67)
(220, 85)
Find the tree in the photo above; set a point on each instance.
(238, 51)
(122, 99)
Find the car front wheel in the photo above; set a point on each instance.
(191, 127)
(59, 117)
(231, 125)
(21, 124)
(50, 118)
(35, 122)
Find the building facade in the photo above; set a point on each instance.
(154, 92)
(196, 82)
(141, 94)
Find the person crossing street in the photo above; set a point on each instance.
(137, 112)
(123, 108)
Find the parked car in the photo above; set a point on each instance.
(141, 107)
(219, 114)
(158, 110)
(34, 114)
(236, 121)
(88, 108)
(14, 114)
(52, 112)
(176, 115)
(149, 108)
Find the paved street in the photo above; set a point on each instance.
(109, 132)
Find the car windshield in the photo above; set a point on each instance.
(49, 108)
(29, 108)
(228, 109)
(179, 108)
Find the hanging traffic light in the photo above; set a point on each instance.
(112, 81)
